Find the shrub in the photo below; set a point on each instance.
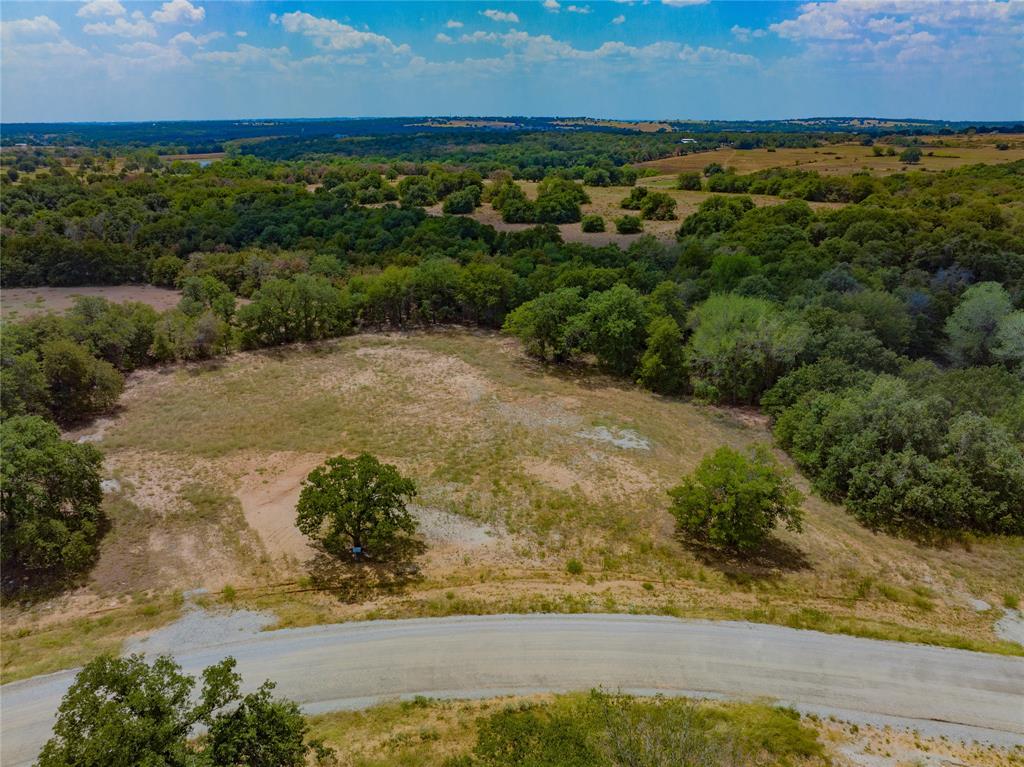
(628, 225)
(689, 180)
(592, 223)
(658, 206)
(735, 501)
(462, 201)
(574, 567)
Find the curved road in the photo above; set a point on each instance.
(350, 665)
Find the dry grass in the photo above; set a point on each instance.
(939, 153)
(509, 459)
(19, 303)
(426, 732)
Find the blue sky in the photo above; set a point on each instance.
(679, 59)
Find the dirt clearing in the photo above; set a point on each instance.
(19, 303)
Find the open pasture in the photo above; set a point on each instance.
(938, 153)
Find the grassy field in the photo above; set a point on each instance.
(939, 153)
(520, 469)
(605, 202)
(427, 732)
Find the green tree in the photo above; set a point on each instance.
(262, 732)
(355, 502)
(50, 497)
(123, 712)
(1008, 344)
(973, 325)
(663, 364)
(613, 325)
(740, 346)
(80, 385)
(304, 308)
(543, 324)
(735, 501)
(592, 223)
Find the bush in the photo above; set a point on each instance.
(629, 225)
(658, 206)
(910, 155)
(574, 567)
(690, 181)
(592, 223)
(734, 501)
(463, 201)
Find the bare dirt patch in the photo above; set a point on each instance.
(28, 302)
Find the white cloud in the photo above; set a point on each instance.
(38, 26)
(441, 37)
(883, 33)
(122, 28)
(328, 34)
(178, 12)
(715, 57)
(745, 34)
(887, 25)
(493, 15)
(584, 9)
(241, 33)
(453, 24)
(552, 5)
(101, 8)
(620, 19)
(247, 55)
(532, 49)
(187, 38)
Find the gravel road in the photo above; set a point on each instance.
(937, 690)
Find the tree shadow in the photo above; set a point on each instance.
(386, 571)
(774, 558)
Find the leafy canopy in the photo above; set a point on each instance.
(734, 501)
(355, 502)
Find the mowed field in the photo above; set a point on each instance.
(938, 153)
(605, 201)
(520, 469)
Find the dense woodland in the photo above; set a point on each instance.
(885, 339)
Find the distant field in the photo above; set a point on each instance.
(849, 158)
(27, 302)
(208, 156)
(519, 467)
(643, 126)
(604, 201)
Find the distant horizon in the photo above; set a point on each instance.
(497, 116)
(103, 61)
